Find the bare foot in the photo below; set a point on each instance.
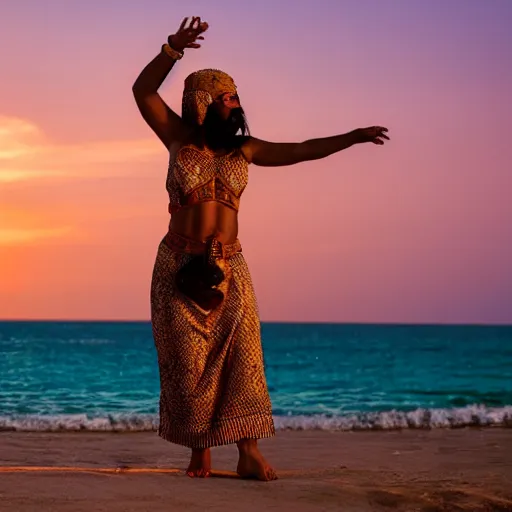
(251, 463)
(200, 464)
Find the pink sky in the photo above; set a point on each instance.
(419, 230)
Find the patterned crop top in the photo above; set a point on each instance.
(197, 175)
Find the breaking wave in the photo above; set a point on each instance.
(470, 416)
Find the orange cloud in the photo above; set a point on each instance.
(17, 138)
(21, 236)
(23, 225)
(27, 154)
(35, 202)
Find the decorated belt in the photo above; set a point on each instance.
(184, 245)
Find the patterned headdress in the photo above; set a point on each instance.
(201, 88)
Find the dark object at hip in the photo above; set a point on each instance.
(200, 277)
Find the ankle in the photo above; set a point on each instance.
(247, 445)
(200, 451)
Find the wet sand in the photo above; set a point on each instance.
(414, 470)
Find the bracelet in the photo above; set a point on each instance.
(171, 52)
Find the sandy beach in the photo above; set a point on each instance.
(414, 470)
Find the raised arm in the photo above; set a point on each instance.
(166, 124)
(272, 154)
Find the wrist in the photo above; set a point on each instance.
(171, 52)
(355, 136)
(173, 44)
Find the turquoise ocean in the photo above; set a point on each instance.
(59, 376)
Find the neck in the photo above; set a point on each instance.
(217, 140)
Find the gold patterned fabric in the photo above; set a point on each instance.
(197, 175)
(201, 88)
(212, 378)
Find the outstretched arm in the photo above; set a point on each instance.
(166, 124)
(272, 154)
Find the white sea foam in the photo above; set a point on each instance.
(76, 422)
(471, 416)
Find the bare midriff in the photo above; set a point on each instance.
(205, 220)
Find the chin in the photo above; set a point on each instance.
(222, 132)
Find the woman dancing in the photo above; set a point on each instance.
(203, 308)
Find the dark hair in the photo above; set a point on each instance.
(227, 134)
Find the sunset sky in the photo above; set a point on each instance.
(419, 230)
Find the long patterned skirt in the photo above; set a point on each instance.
(213, 389)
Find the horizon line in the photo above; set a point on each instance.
(286, 322)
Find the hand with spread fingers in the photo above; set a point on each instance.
(374, 134)
(188, 34)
